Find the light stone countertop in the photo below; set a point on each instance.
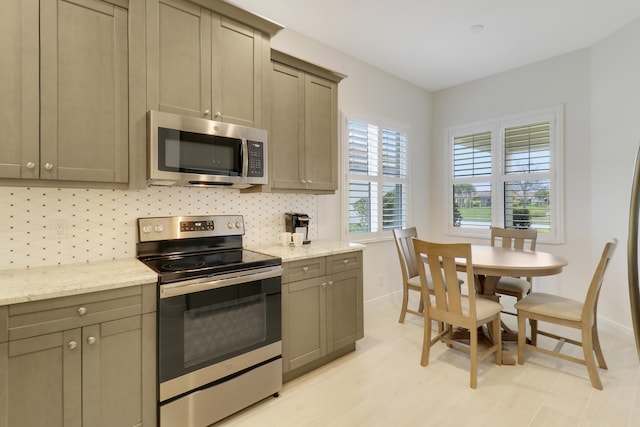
(32, 284)
(311, 250)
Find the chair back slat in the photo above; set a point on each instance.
(403, 238)
(514, 238)
(441, 259)
(591, 301)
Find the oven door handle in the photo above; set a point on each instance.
(198, 285)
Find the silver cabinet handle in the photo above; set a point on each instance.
(206, 113)
(48, 166)
(72, 345)
(31, 165)
(91, 340)
(305, 269)
(82, 311)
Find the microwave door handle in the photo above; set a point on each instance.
(245, 157)
(192, 286)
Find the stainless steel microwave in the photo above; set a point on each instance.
(189, 151)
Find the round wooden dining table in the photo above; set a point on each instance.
(492, 262)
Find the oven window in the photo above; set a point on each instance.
(203, 328)
(224, 328)
(191, 152)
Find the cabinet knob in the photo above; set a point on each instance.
(82, 311)
(48, 166)
(305, 269)
(218, 114)
(206, 113)
(304, 181)
(91, 340)
(72, 345)
(346, 261)
(331, 283)
(31, 165)
(309, 181)
(324, 285)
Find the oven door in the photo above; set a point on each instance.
(209, 330)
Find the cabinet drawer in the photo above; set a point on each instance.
(4, 323)
(345, 262)
(304, 269)
(58, 314)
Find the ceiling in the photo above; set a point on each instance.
(432, 43)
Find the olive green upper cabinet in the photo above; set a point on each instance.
(207, 63)
(303, 136)
(65, 90)
(19, 109)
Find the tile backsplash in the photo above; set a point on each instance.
(49, 226)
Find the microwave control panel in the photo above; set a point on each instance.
(256, 158)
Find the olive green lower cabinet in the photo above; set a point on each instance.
(86, 360)
(322, 316)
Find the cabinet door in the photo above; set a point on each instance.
(286, 139)
(84, 91)
(43, 383)
(179, 58)
(237, 64)
(304, 334)
(19, 89)
(321, 133)
(344, 309)
(112, 373)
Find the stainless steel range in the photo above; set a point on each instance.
(219, 318)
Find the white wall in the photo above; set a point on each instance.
(371, 93)
(562, 80)
(600, 90)
(615, 135)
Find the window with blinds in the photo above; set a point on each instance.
(504, 172)
(377, 197)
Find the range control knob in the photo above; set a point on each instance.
(159, 228)
(238, 224)
(230, 224)
(147, 229)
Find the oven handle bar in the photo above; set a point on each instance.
(230, 279)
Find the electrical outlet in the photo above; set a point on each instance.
(60, 228)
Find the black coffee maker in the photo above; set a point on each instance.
(297, 223)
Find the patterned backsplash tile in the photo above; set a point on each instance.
(49, 226)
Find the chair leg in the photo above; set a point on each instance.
(497, 336)
(473, 341)
(534, 331)
(421, 305)
(587, 349)
(597, 348)
(522, 337)
(405, 302)
(426, 342)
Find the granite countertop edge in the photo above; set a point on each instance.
(311, 250)
(39, 283)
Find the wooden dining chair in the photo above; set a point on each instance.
(516, 287)
(409, 268)
(569, 313)
(449, 307)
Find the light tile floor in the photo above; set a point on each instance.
(383, 384)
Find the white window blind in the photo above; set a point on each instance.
(505, 172)
(377, 185)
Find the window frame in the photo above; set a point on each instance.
(380, 179)
(497, 126)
